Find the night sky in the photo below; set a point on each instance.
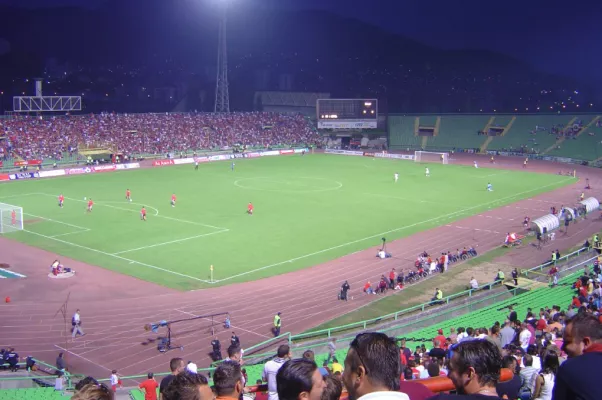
(556, 36)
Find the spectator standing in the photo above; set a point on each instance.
(512, 316)
(149, 387)
(524, 337)
(216, 349)
(332, 349)
(234, 340)
(271, 368)
(299, 380)
(228, 381)
(12, 359)
(76, 323)
(336, 366)
(527, 374)
(277, 324)
(60, 363)
(372, 368)
(474, 370)
(176, 365)
(507, 334)
(344, 289)
(187, 385)
(579, 376)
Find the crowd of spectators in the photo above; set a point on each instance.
(36, 137)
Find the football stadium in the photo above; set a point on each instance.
(171, 247)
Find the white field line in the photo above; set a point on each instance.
(58, 222)
(69, 233)
(18, 195)
(100, 203)
(170, 242)
(117, 256)
(238, 328)
(450, 215)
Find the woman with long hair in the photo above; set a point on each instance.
(544, 381)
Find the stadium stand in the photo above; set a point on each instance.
(32, 394)
(585, 145)
(401, 133)
(458, 132)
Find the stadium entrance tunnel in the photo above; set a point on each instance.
(545, 224)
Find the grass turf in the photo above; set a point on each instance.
(307, 210)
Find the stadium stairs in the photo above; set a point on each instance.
(581, 147)
(506, 128)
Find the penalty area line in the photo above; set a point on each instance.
(117, 256)
(440, 217)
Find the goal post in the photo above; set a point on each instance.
(431, 157)
(11, 218)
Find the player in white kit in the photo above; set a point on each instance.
(428, 173)
(396, 177)
(476, 165)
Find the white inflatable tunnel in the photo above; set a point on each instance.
(550, 222)
(591, 204)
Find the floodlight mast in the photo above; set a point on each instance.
(222, 95)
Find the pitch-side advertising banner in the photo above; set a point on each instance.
(52, 173)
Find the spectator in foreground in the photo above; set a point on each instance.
(332, 389)
(299, 379)
(227, 380)
(93, 392)
(271, 368)
(372, 368)
(579, 376)
(176, 365)
(260, 395)
(544, 381)
(527, 374)
(188, 386)
(149, 387)
(475, 371)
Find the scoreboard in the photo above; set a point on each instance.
(347, 113)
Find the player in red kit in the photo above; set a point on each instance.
(90, 204)
(13, 217)
(143, 213)
(128, 195)
(61, 200)
(173, 200)
(250, 208)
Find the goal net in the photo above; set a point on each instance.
(431, 157)
(11, 218)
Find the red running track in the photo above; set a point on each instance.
(115, 307)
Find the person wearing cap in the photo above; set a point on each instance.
(277, 324)
(440, 337)
(191, 367)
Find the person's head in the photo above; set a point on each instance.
(372, 364)
(309, 355)
(509, 362)
(88, 380)
(284, 351)
(407, 374)
(433, 369)
(234, 353)
(177, 365)
(150, 375)
(93, 391)
(227, 380)
(299, 379)
(60, 355)
(188, 386)
(527, 360)
(581, 331)
(549, 362)
(475, 365)
(332, 389)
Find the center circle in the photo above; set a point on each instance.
(289, 184)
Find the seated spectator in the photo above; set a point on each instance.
(372, 368)
(227, 380)
(474, 370)
(188, 386)
(511, 388)
(299, 379)
(474, 285)
(12, 359)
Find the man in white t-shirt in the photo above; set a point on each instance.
(372, 368)
(524, 337)
(270, 369)
(473, 283)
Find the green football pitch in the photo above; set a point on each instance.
(307, 210)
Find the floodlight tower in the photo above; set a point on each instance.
(222, 95)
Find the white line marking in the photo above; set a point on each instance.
(82, 357)
(389, 231)
(69, 233)
(58, 222)
(100, 203)
(11, 273)
(170, 242)
(238, 328)
(18, 195)
(116, 256)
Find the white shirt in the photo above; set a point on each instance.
(474, 284)
(270, 370)
(461, 336)
(547, 388)
(76, 318)
(382, 254)
(396, 176)
(385, 396)
(192, 367)
(524, 338)
(427, 171)
(114, 380)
